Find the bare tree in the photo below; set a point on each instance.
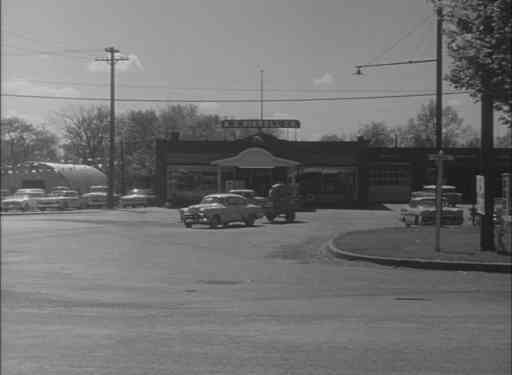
(86, 132)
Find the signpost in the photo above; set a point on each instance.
(439, 158)
(480, 194)
(257, 123)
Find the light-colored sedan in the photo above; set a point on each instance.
(422, 211)
(60, 200)
(22, 199)
(221, 209)
(97, 197)
(138, 198)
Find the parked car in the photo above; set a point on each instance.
(221, 209)
(97, 197)
(22, 199)
(60, 200)
(447, 191)
(138, 198)
(60, 188)
(422, 211)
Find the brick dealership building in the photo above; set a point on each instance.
(338, 174)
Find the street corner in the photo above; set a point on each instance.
(414, 247)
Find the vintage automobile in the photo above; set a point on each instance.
(284, 202)
(22, 199)
(60, 200)
(138, 198)
(251, 196)
(221, 209)
(422, 211)
(97, 197)
(447, 191)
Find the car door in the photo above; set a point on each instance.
(232, 211)
(241, 208)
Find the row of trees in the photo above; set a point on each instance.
(419, 131)
(85, 136)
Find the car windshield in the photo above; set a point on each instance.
(97, 189)
(139, 191)
(210, 199)
(247, 194)
(19, 196)
(69, 193)
(430, 202)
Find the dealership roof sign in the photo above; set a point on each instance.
(255, 123)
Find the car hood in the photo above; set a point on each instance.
(132, 196)
(14, 199)
(204, 206)
(95, 194)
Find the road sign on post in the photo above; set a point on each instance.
(439, 158)
(480, 194)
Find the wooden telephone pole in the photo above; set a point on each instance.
(112, 59)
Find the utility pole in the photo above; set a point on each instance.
(439, 79)
(261, 100)
(123, 169)
(112, 61)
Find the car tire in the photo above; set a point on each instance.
(64, 206)
(290, 217)
(270, 218)
(24, 207)
(249, 220)
(42, 209)
(215, 222)
(188, 225)
(417, 221)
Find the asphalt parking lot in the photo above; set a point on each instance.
(133, 291)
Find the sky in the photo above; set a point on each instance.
(214, 51)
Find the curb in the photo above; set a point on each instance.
(421, 263)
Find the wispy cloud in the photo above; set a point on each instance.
(25, 87)
(132, 64)
(326, 80)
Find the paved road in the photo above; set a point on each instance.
(134, 292)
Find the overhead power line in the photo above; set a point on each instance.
(225, 89)
(399, 40)
(276, 100)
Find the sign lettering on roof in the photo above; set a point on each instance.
(255, 123)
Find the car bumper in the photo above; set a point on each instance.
(195, 219)
(46, 205)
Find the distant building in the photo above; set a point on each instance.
(342, 174)
(48, 175)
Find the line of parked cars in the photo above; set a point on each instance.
(62, 198)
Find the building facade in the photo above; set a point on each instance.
(336, 174)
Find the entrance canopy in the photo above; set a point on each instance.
(255, 157)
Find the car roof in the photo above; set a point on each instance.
(29, 190)
(242, 191)
(442, 187)
(224, 195)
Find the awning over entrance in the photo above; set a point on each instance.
(255, 157)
